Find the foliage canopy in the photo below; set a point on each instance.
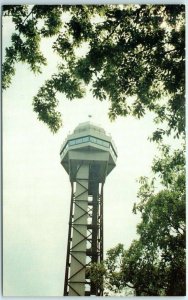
(155, 264)
(132, 55)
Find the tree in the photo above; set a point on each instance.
(155, 264)
(134, 57)
(96, 272)
(107, 275)
(113, 278)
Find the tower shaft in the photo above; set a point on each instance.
(85, 238)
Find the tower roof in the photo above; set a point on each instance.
(88, 125)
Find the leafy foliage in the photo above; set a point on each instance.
(107, 275)
(132, 51)
(154, 265)
(96, 273)
(113, 264)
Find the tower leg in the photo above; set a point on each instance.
(95, 231)
(67, 268)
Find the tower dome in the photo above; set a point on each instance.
(88, 126)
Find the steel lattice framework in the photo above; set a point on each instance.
(93, 208)
(87, 165)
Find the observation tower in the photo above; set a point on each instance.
(88, 155)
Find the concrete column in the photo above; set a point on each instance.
(78, 249)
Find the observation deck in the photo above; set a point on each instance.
(89, 142)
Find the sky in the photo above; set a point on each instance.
(36, 188)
